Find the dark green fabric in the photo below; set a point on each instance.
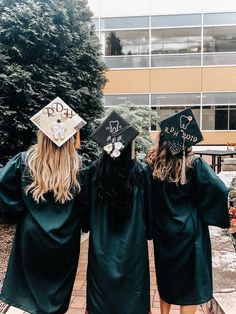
(181, 215)
(118, 265)
(44, 257)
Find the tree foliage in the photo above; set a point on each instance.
(48, 48)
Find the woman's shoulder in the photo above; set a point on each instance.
(198, 161)
(16, 161)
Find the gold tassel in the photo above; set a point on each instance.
(133, 155)
(183, 170)
(77, 140)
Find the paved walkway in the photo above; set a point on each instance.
(78, 298)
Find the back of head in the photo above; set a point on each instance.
(53, 169)
(116, 187)
(165, 166)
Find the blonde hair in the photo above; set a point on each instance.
(166, 167)
(53, 169)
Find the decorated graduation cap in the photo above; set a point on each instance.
(181, 131)
(58, 121)
(114, 134)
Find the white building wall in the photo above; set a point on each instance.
(166, 7)
(219, 5)
(106, 8)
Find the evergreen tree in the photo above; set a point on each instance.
(48, 48)
(113, 45)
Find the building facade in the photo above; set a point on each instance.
(171, 55)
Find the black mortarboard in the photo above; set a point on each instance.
(181, 131)
(114, 134)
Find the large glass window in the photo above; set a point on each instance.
(219, 58)
(116, 100)
(127, 61)
(173, 60)
(232, 118)
(219, 117)
(219, 39)
(176, 20)
(221, 98)
(176, 40)
(176, 99)
(160, 113)
(125, 22)
(126, 42)
(219, 18)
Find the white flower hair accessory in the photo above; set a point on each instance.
(114, 150)
(118, 145)
(108, 148)
(115, 153)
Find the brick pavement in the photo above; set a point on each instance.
(78, 299)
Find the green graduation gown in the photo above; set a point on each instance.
(181, 215)
(45, 252)
(118, 266)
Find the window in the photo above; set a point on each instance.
(126, 61)
(219, 58)
(219, 118)
(168, 60)
(116, 100)
(176, 99)
(126, 42)
(176, 40)
(125, 22)
(219, 39)
(160, 113)
(219, 18)
(232, 118)
(176, 20)
(221, 98)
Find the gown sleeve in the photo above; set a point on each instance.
(147, 200)
(11, 204)
(84, 199)
(211, 195)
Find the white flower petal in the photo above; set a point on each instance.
(118, 145)
(108, 148)
(115, 153)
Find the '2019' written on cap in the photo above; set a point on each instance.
(181, 131)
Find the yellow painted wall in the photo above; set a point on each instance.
(170, 80)
(127, 81)
(175, 80)
(219, 79)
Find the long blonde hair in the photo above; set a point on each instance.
(53, 169)
(166, 167)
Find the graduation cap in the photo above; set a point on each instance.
(58, 121)
(114, 134)
(181, 131)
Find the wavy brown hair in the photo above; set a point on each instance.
(165, 166)
(53, 169)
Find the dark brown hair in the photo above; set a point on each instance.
(165, 166)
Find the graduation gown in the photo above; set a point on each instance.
(181, 215)
(118, 265)
(45, 252)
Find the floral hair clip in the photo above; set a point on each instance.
(114, 149)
